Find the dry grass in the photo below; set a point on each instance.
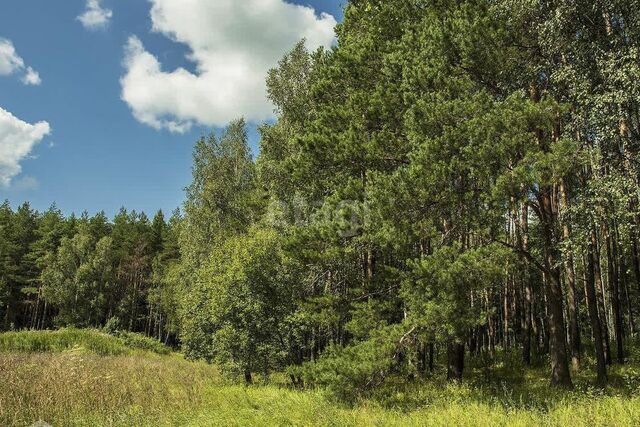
(76, 388)
(79, 389)
(104, 385)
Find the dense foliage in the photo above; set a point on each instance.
(458, 177)
(88, 272)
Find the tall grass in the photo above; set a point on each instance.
(81, 389)
(109, 384)
(92, 341)
(142, 342)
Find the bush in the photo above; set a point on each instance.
(353, 372)
(142, 342)
(112, 326)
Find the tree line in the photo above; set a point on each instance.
(452, 177)
(87, 271)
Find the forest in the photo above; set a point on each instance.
(453, 181)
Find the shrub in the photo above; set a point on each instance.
(142, 342)
(351, 373)
(112, 326)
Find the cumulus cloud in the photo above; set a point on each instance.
(12, 63)
(232, 44)
(95, 17)
(17, 139)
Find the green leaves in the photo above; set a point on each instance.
(221, 198)
(79, 278)
(242, 297)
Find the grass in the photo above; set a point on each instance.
(95, 385)
(88, 340)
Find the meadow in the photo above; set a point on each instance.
(88, 378)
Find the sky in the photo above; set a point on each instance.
(101, 101)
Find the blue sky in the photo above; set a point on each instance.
(102, 151)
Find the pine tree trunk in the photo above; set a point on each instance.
(248, 379)
(547, 212)
(597, 271)
(455, 357)
(527, 291)
(560, 375)
(625, 286)
(44, 316)
(6, 317)
(572, 309)
(636, 259)
(491, 334)
(36, 312)
(614, 289)
(431, 351)
(596, 325)
(505, 322)
(526, 330)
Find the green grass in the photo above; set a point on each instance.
(88, 340)
(142, 342)
(104, 386)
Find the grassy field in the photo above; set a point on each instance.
(86, 378)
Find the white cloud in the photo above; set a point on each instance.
(32, 77)
(11, 63)
(232, 44)
(95, 17)
(17, 139)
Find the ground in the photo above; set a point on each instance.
(87, 378)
